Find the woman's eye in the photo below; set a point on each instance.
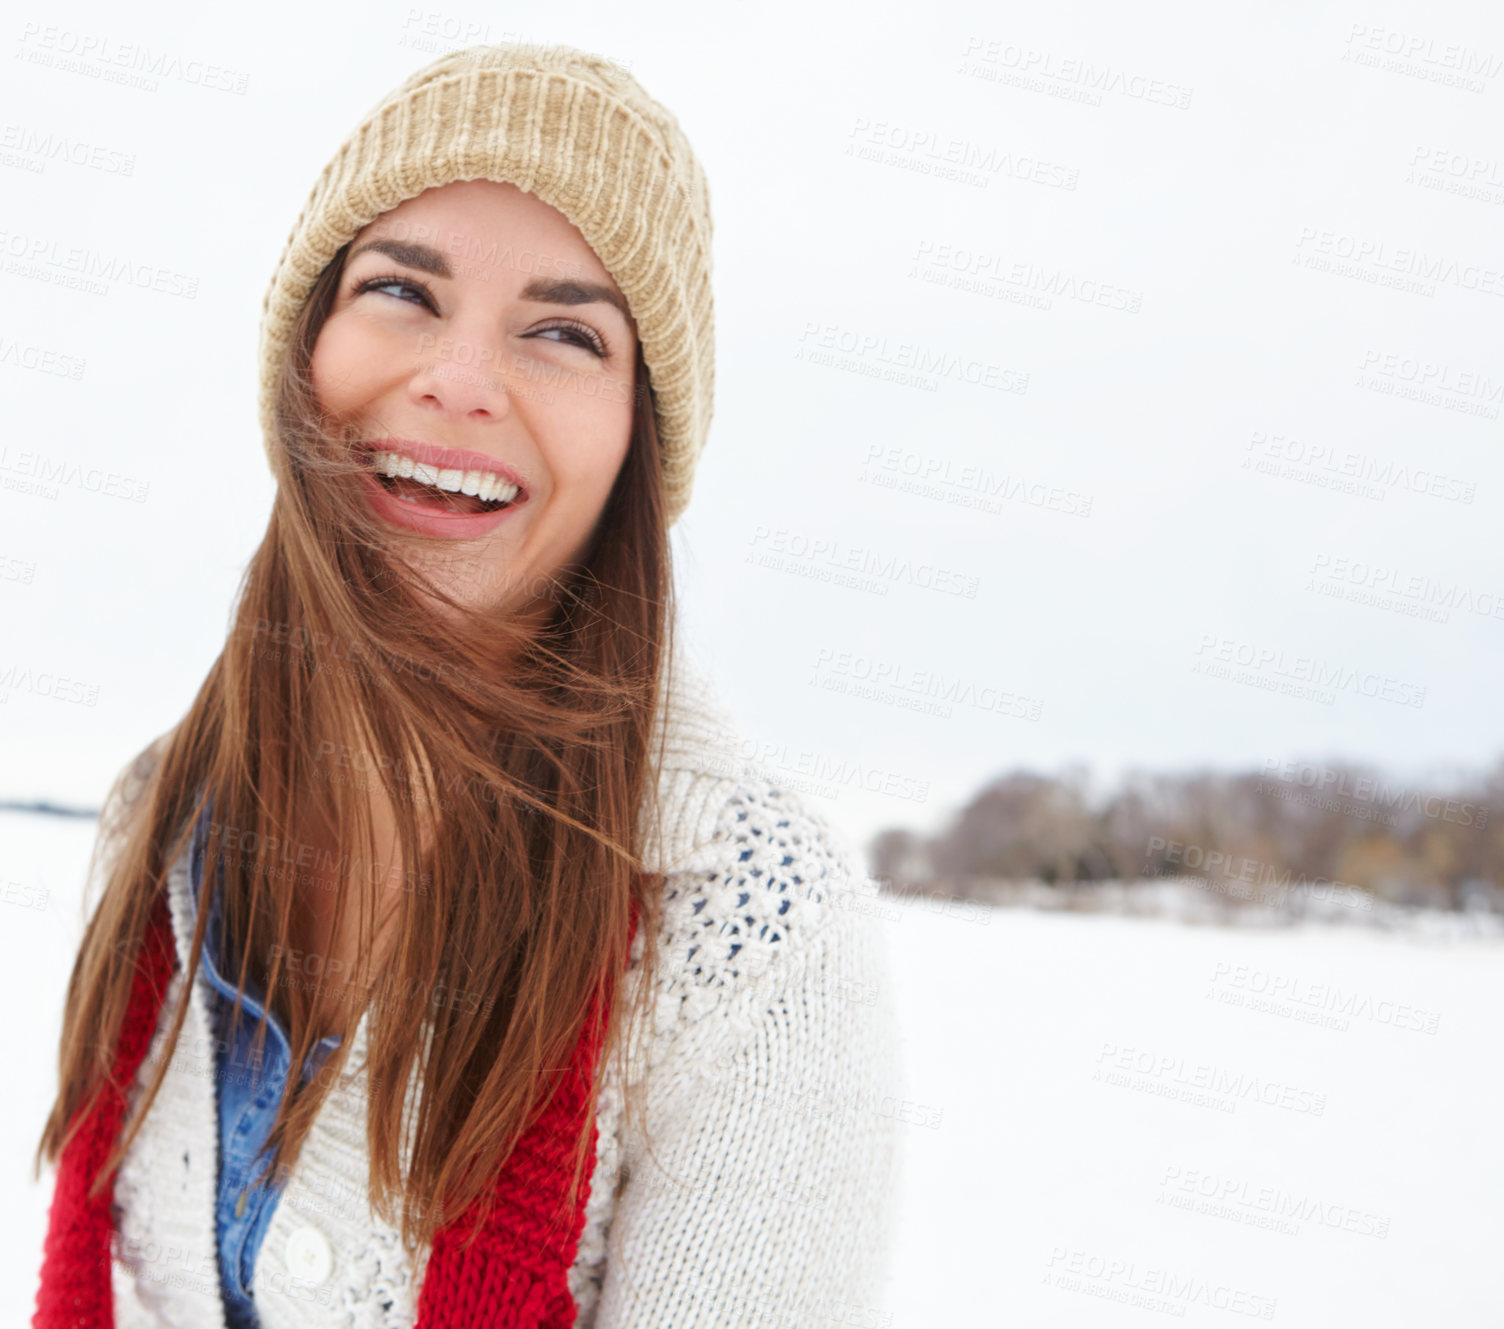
(401, 288)
(398, 284)
(579, 335)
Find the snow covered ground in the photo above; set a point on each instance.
(1114, 1120)
(1132, 1126)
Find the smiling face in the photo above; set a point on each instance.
(485, 358)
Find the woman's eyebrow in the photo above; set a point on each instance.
(555, 291)
(412, 255)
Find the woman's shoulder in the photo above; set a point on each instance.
(125, 797)
(723, 811)
(755, 878)
(133, 778)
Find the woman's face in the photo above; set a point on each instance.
(485, 359)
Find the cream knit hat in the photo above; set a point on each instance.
(580, 133)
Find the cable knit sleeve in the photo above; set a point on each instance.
(771, 1095)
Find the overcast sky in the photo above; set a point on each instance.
(1188, 450)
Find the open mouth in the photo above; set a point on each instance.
(459, 493)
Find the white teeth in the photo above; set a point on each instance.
(485, 485)
(494, 489)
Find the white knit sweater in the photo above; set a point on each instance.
(770, 1080)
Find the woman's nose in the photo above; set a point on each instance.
(461, 377)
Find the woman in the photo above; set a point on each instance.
(584, 1021)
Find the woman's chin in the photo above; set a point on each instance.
(490, 594)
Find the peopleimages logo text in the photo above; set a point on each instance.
(1308, 669)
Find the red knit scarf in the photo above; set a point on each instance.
(515, 1274)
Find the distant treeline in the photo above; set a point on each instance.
(45, 808)
(1290, 823)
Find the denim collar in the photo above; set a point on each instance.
(254, 1001)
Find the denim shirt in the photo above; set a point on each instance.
(248, 1095)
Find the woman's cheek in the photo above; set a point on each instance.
(338, 368)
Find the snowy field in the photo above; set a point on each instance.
(1123, 1124)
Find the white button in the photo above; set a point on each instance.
(309, 1256)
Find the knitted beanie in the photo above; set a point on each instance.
(580, 133)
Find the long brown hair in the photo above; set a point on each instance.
(515, 751)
